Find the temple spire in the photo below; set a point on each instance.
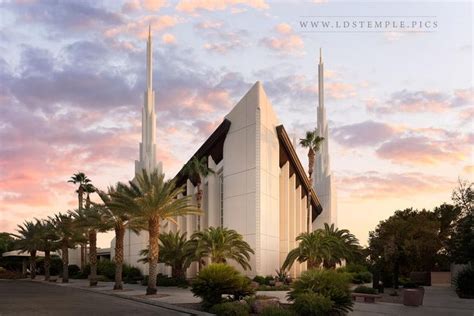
(149, 60)
(320, 55)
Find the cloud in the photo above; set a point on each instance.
(339, 90)
(219, 39)
(420, 150)
(190, 6)
(150, 5)
(378, 185)
(421, 101)
(168, 39)
(368, 133)
(139, 28)
(284, 41)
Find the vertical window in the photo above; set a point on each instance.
(221, 198)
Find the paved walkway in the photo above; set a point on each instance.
(437, 300)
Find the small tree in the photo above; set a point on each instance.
(28, 240)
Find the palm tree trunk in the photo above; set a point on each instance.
(119, 236)
(33, 264)
(82, 256)
(311, 159)
(64, 255)
(80, 196)
(47, 264)
(154, 234)
(93, 257)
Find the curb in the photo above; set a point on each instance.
(168, 306)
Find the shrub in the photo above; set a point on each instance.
(312, 304)
(355, 268)
(131, 275)
(163, 280)
(277, 311)
(106, 268)
(259, 279)
(230, 309)
(361, 277)
(73, 270)
(464, 283)
(218, 279)
(365, 290)
(328, 283)
(273, 288)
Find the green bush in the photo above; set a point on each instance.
(365, 290)
(312, 304)
(283, 287)
(328, 283)
(230, 309)
(73, 270)
(259, 279)
(106, 268)
(163, 280)
(361, 277)
(220, 279)
(131, 275)
(355, 268)
(277, 311)
(464, 283)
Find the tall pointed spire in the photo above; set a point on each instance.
(323, 179)
(148, 145)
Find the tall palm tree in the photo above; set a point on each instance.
(92, 220)
(198, 169)
(84, 185)
(48, 243)
(175, 251)
(312, 247)
(347, 245)
(68, 236)
(220, 244)
(152, 201)
(313, 142)
(117, 216)
(28, 240)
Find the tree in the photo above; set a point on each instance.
(47, 243)
(92, 220)
(117, 216)
(405, 242)
(6, 242)
(176, 252)
(28, 240)
(68, 236)
(220, 244)
(312, 141)
(313, 247)
(197, 169)
(153, 200)
(345, 246)
(84, 186)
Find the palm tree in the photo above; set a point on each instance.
(175, 251)
(312, 247)
(220, 244)
(68, 237)
(347, 245)
(118, 218)
(84, 186)
(197, 169)
(313, 142)
(153, 200)
(48, 243)
(28, 240)
(92, 220)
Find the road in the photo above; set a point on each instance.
(32, 298)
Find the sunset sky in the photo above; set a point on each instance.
(72, 77)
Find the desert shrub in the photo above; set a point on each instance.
(361, 277)
(230, 309)
(283, 287)
(106, 268)
(259, 279)
(365, 290)
(131, 274)
(73, 270)
(219, 279)
(328, 283)
(312, 304)
(464, 283)
(163, 280)
(277, 311)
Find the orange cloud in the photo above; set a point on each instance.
(190, 6)
(150, 5)
(139, 28)
(285, 41)
(340, 90)
(168, 39)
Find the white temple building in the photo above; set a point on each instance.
(259, 187)
(323, 179)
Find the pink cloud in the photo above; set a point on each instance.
(339, 90)
(190, 6)
(168, 39)
(139, 28)
(150, 5)
(285, 41)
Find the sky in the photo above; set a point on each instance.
(399, 99)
